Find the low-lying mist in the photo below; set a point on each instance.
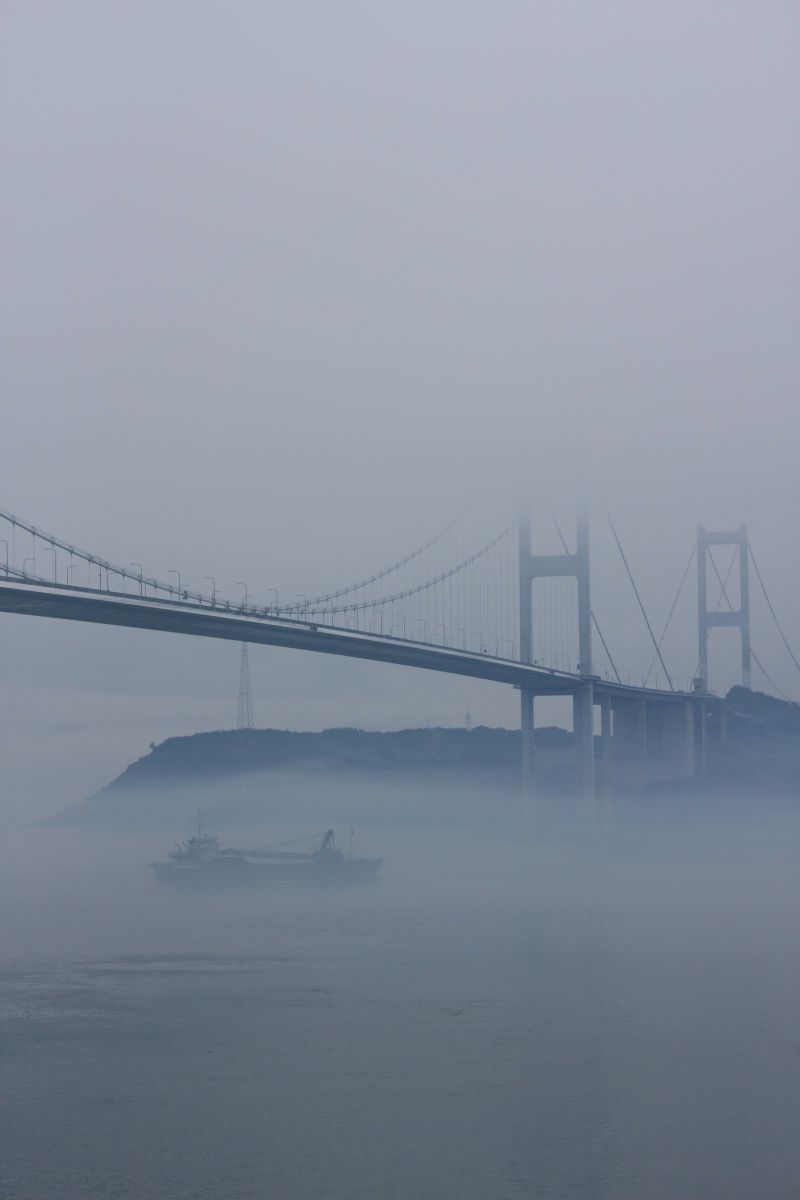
(531, 1000)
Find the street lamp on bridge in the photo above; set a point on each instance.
(239, 583)
(213, 587)
(141, 580)
(172, 571)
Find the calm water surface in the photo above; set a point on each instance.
(495, 1020)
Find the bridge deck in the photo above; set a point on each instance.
(116, 608)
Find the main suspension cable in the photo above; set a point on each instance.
(641, 605)
(771, 609)
(724, 592)
(95, 560)
(768, 677)
(414, 591)
(671, 611)
(371, 579)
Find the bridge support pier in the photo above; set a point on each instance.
(699, 736)
(690, 741)
(606, 772)
(630, 743)
(656, 741)
(527, 728)
(670, 741)
(583, 724)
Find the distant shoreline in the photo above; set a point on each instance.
(753, 743)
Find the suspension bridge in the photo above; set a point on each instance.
(491, 609)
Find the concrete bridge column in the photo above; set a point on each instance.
(690, 750)
(670, 740)
(630, 743)
(583, 724)
(526, 735)
(657, 720)
(606, 749)
(698, 716)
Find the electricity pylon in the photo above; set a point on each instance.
(244, 712)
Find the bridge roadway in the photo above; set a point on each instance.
(177, 616)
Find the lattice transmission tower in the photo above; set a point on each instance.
(244, 710)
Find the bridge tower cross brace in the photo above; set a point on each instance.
(736, 618)
(548, 566)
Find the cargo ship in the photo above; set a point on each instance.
(202, 859)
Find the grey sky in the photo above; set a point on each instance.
(289, 286)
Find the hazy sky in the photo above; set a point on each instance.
(289, 286)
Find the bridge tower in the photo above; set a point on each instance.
(736, 618)
(548, 566)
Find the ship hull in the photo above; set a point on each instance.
(238, 871)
